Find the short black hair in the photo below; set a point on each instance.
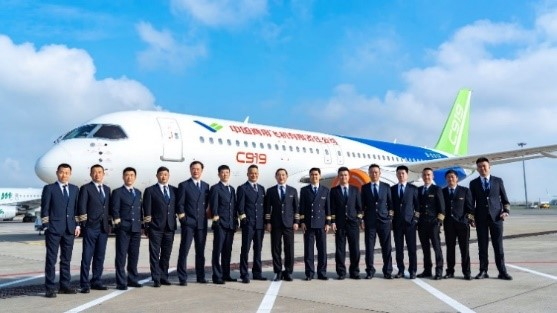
(451, 172)
(343, 169)
(223, 167)
(163, 169)
(373, 165)
(197, 162)
(427, 169)
(481, 159)
(313, 169)
(252, 166)
(64, 165)
(402, 167)
(129, 169)
(97, 166)
(281, 169)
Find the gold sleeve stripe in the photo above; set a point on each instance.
(268, 216)
(242, 216)
(328, 218)
(296, 216)
(82, 218)
(147, 219)
(117, 221)
(45, 220)
(302, 217)
(440, 217)
(333, 216)
(360, 215)
(181, 215)
(216, 218)
(470, 217)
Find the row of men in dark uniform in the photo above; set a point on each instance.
(377, 209)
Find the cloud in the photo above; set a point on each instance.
(45, 92)
(163, 50)
(221, 13)
(511, 70)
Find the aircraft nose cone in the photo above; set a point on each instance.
(46, 165)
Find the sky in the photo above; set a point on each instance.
(386, 70)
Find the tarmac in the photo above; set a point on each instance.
(530, 252)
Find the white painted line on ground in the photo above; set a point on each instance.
(269, 300)
(532, 271)
(20, 281)
(107, 297)
(443, 297)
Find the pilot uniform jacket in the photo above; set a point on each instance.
(345, 210)
(459, 207)
(491, 203)
(250, 202)
(93, 206)
(315, 211)
(58, 214)
(281, 213)
(376, 210)
(405, 208)
(160, 215)
(223, 204)
(126, 206)
(432, 203)
(193, 202)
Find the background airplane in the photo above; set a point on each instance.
(146, 140)
(15, 201)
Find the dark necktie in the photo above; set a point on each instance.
(281, 193)
(401, 192)
(132, 192)
(486, 184)
(255, 187)
(425, 190)
(314, 191)
(101, 193)
(197, 185)
(166, 195)
(451, 193)
(66, 194)
(345, 193)
(375, 192)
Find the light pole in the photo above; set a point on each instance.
(522, 144)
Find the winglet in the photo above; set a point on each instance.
(454, 138)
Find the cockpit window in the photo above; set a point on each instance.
(110, 132)
(80, 132)
(104, 131)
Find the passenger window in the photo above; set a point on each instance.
(229, 142)
(211, 141)
(201, 139)
(237, 143)
(220, 141)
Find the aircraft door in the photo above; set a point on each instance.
(172, 149)
(337, 153)
(327, 154)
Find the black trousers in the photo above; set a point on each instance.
(457, 231)
(350, 233)
(313, 236)
(53, 243)
(405, 231)
(428, 231)
(278, 235)
(160, 248)
(251, 234)
(127, 244)
(484, 228)
(383, 231)
(223, 239)
(94, 248)
(199, 237)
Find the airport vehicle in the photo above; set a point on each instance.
(15, 201)
(146, 140)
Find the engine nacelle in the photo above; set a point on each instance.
(358, 178)
(7, 212)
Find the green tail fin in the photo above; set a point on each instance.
(454, 138)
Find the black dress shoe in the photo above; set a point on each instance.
(356, 277)
(323, 278)
(122, 287)
(230, 279)
(259, 278)
(341, 277)
(157, 284)
(245, 280)
(165, 282)
(412, 276)
(202, 280)
(467, 277)
(99, 287)
(218, 282)
(482, 275)
(424, 275)
(135, 285)
(85, 290)
(505, 276)
(437, 277)
(449, 275)
(183, 283)
(286, 277)
(67, 291)
(369, 276)
(277, 277)
(308, 278)
(399, 275)
(50, 293)
(388, 276)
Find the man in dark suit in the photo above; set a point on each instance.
(94, 199)
(378, 214)
(159, 207)
(59, 215)
(432, 214)
(193, 201)
(281, 220)
(250, 209)
(491, 208)
(127, 214)
(459, 214)
(222, 200)
(346, 216)
(315, 220)
(405, 218)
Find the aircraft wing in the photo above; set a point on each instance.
(27, 205)
(469, 161)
